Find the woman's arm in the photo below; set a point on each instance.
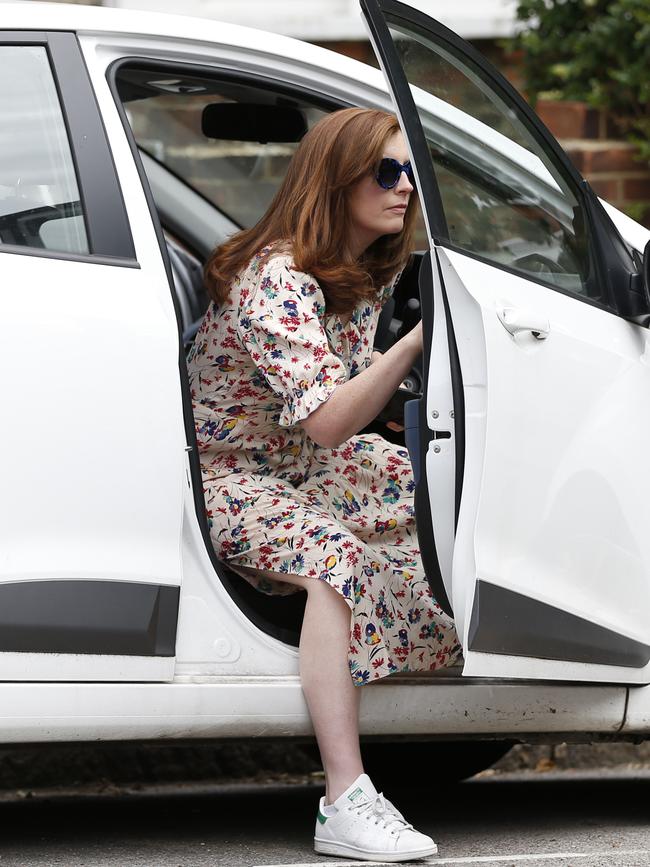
(355, 403)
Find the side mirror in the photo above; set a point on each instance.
(238, 121)
(645, 272)
(638, 296)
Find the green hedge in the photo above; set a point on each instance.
(592, 50)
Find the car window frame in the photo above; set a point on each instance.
(107, 225)
(259, 82)
(606, 247)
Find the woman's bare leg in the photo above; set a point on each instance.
(332, 698)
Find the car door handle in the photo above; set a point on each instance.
(521, 321)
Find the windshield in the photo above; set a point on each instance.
(239, 176)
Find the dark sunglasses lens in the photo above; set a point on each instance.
(388, 173)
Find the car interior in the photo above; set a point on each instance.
(214, 152)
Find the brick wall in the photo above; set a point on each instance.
(609, 164)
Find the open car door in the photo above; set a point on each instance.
(532, 473)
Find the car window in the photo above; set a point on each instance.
(39, 197)
(240, 176)
(504, 199)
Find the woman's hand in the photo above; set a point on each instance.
(355, 403)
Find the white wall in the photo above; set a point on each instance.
(321, 20)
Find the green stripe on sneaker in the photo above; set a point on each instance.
(322, 819)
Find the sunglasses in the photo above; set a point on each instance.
(390, 171)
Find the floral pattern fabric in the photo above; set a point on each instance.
(276, 501)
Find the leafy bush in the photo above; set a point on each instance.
(592, 50)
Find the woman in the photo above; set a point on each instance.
(283, 377)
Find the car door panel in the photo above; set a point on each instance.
(550, 439)
(93, 454)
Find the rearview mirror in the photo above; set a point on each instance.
(234, 121)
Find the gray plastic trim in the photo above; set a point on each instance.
(510, 623)
(103, 207)
(412, 435)
(121, 618)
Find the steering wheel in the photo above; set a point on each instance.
(389, 331)
(538, 263)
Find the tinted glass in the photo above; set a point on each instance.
(504, 199)
(39, 197)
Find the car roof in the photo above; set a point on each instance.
(101, 20)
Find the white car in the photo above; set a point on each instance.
(130, 144)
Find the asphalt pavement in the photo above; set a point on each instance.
(596, 818)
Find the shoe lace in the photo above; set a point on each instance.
(381, 812)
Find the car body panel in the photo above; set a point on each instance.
(275, 707)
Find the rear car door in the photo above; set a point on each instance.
(531, 503)
(93, 444)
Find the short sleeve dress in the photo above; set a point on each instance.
(276, 501)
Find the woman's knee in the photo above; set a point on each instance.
(315, 587)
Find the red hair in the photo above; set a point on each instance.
(309, 214)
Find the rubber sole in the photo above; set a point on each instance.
(329, 847)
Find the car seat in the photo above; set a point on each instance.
(189, 287)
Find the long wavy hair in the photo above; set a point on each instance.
(309, 215)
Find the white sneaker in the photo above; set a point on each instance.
(362, 824)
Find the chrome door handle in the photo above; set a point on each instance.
(524, 321)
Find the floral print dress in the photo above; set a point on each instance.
(276, 501)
